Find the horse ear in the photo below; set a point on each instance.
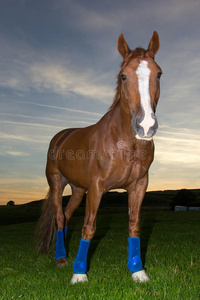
(122, 46)
(154, 44)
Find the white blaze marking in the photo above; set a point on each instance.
(143, 74)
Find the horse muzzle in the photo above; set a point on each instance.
(145, 129)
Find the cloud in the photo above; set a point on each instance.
(62, 108)
(93, 17)
(180, 9)
(17, 153)
(88, 17)
(31, 124)
(15, 137)
(23, 73)
(24, 69)
(39, 125)
(56, 79)
(177, 161)
(178, 148)
(50, 119)
(64, 81)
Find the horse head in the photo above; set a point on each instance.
(139, 82)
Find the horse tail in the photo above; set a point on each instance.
(46, 229)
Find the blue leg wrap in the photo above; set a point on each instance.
(80, 263)
(65, 232)
(60, 244)
(134, 259)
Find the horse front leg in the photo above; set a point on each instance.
(92, 205)
(135, 198)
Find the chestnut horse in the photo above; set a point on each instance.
(116, 152)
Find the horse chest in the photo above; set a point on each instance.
(124, 174)
(137, 166)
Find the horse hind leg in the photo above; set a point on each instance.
(74, 202)
(62, 221)
(57, 184)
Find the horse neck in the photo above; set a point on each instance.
(122, 120)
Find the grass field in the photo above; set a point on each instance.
(170, 252)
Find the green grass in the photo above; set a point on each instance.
(170, 252)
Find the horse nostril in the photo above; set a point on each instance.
(137, 124)
(137, 128)
(156, 124)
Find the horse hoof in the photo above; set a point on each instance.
(140, 276)
(79, 278)
(61, 262)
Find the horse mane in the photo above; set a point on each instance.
(138, 52)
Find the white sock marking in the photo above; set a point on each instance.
(143, 74)
(140, 276)
(76, 278)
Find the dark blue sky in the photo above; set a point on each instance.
(59, 62)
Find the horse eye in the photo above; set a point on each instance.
(123, 77)
(159, 75)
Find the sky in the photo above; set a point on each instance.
(58, 68)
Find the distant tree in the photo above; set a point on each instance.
(10, 203)
(184, 198)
